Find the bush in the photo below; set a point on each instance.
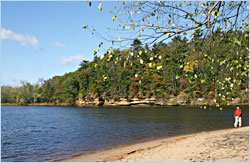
(174, 102)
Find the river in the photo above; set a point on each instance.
(47, 133)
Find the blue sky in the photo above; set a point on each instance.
(44, 39)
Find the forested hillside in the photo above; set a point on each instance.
(208, 67)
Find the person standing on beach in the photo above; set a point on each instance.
(237, 116)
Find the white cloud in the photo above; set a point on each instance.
(22, 39)
(59, 45)
(71, 59)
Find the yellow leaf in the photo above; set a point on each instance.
(143, 28)
(131, 13)
(100, 6)
(113, 18)
(173, 25)
(159, 67)
(110, 56)
(119, 38)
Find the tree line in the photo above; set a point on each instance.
(210, 67)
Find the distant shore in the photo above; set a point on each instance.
(228, 145)
(113, 105)
(35, 104)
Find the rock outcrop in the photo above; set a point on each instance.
(171, 101)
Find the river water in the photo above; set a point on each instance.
(45, 133)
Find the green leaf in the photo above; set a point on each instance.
(246, 36)
(247, 30)
(236, 41)
(100, 44)
(222, 62)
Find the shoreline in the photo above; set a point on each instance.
(120, 106)
(225, 144)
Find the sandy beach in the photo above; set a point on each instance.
(228, 145)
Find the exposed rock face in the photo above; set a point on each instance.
(123, 102)
(234, 102)
(95, 102)
(172, 101)
(198, 101)
(136, 101)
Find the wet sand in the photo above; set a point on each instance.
(228, 145)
